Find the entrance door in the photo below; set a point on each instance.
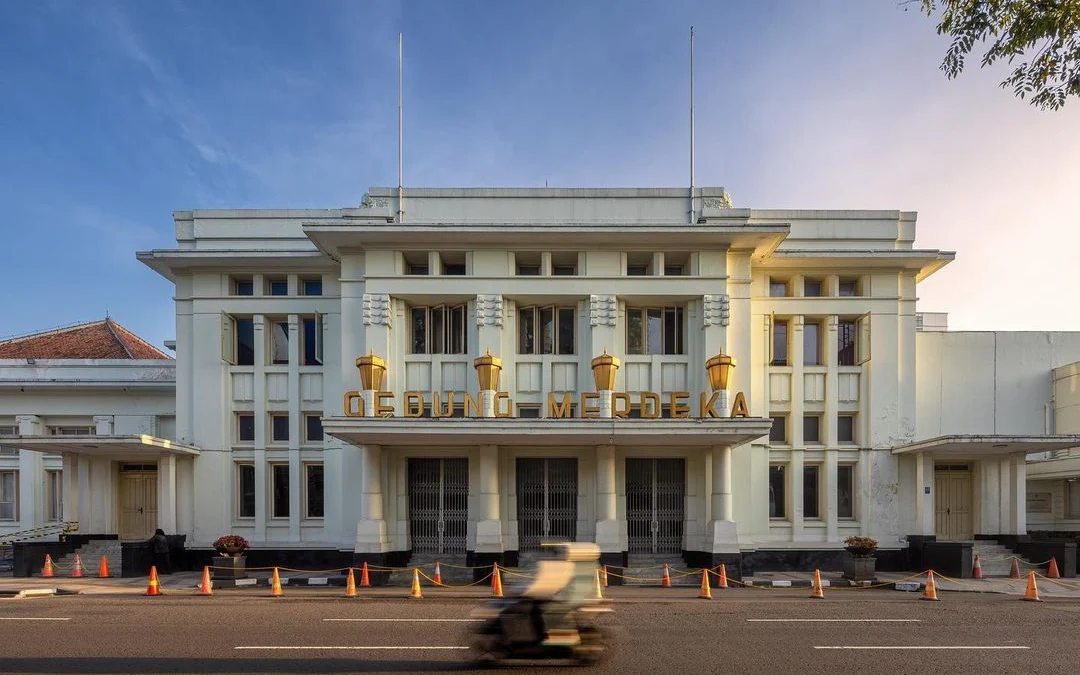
(952, 502)
(438, 504)
(546, 501)
(655, 505)
(138, 503)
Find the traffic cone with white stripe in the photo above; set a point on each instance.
(76, 569)
(48, 571)
(816, 591)
(1014, 571)
(350, 585)
(705, 593)
(415, 592)
(1053, 572)
(364, 580)
(496, 582)
(723, 576)
(665, 582)
(930, 592)
(438, 575)
(206, 587)
(1032, 592)
(275, 585)
(976, 571)
(154, 588)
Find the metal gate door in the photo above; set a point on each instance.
(655, 505)
(547, 501)
(438, 504)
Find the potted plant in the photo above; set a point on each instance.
(860, 563)
(230, 562)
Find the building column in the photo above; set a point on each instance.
(166, 493)
(488, 519)
(924, 494)
(609, 531)
(31, 476)
(723, 531)
(1018, 477)
(371, 534)
(71, 487)
(85, 524)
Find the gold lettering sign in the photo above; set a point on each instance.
(558, 406)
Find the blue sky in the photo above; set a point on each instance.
(115, 114)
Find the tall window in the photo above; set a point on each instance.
(238, 340)
(312, 349)
(9, 498)
(778, 433)
(845, 343)
(279, 342)
(279, 492)
(245, 490)
(811, 497)
(812, 429)
(777, 492)
(655, 330)
(546, 330)
(845, 491)
(779, 343)
(313, 491)
(812, 343)
(439, 330)
(54, 495)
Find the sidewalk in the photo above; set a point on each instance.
(319, 585)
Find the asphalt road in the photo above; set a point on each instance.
(740, 631)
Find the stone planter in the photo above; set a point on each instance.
(859, 568)
(225, 567)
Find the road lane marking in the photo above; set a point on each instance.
(412, 620)
(927, 647)
(35, 618)
(836, 620)
(348, 647)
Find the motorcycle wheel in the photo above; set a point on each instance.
(487, 649)
(593, 648)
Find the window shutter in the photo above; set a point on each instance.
(862, 339)
(228, 338)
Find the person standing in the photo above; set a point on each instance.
(159, 547)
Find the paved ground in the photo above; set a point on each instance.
(657, 631)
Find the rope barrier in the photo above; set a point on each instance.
(446, 585)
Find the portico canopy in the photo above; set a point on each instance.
(975, 446)
(126, 447)
(663, 432)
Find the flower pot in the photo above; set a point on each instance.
(859, 568)
(229, 567)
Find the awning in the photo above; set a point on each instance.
(662, 432)
(973, 447)
(126, 447)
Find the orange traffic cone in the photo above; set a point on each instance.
(76, 569)
(496, 582)
(154, 588)
(723, 576)
(438, 575)
(665, 582)
(1014, 571)
(1032, 592)
(350, 585)
(103, 568)
(976, 571)
(816, 591)
(1053, 572)
(275, 585)
(706, 592)
(930, 592)
(414, 592)
(47, 571)
(603, 576)
(206, 587)
(599, 591)
(364, 581)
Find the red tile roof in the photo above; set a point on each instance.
(104, 339)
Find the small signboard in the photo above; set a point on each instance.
(1039, 502)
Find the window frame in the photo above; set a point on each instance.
(680, 314)
(239, 487)
(317, 320)
(537, 312)
(240, 440)
(54, 495)
(447, 327)
(275, 325)
(854, 440)
(13, 498)
(311, 280)
(305, 496)
(775, 283)
(272, 283)
(234, 286)
(782, 510)
(813, 280)
(818, 351)
(275, 502)
(272, 419)
(786, 360)
(307, 428)
(851, 468)
(855, 290)
(817, 417)
(816, 469)
(783, 419)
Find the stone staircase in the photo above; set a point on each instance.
(651, 567)
(451, 567)
(995, 558)
(90, 556)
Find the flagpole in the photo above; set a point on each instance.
(692, 219)
(400, 123)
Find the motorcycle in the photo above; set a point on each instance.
(556, 617)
